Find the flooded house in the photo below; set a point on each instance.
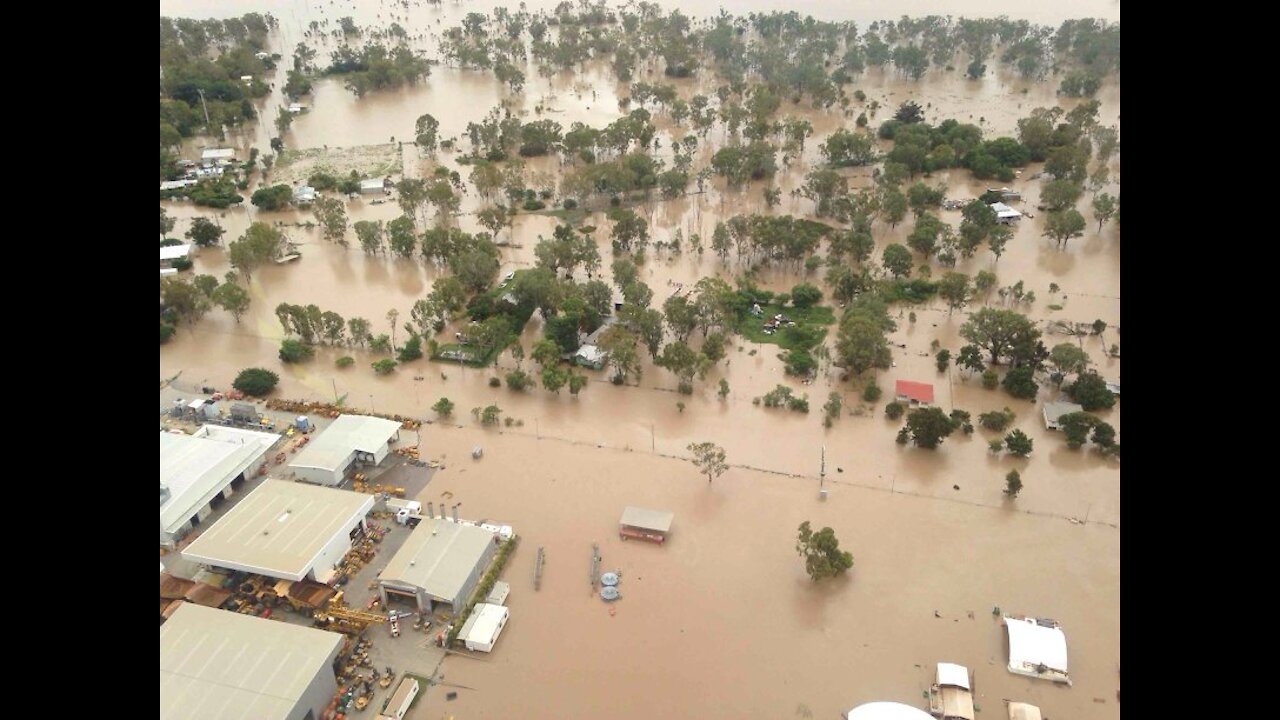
(304, 194)
(217, 156)
(375, 186)
(1005, 215)
(1053, 412)
(171, 254)
(915, 394)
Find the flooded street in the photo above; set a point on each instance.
(722, 621)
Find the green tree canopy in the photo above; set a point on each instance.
(255, 381)
(821, 551)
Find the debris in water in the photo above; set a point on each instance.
(937, 614)
(451, 696)
(955, 487)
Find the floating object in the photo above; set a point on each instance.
(610, 593)
(477, 452)
(609, 579)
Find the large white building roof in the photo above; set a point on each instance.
(280, 529)
(347, 434)
(1033, 646)
(438, 556)
(220, 665)
(195, 468)
(173, 252)
(886, 711)
(218, 154)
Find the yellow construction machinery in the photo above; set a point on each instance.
(345, 619)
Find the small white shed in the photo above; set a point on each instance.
(482, 629)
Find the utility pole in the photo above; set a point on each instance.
(335, 390)
(822, 475)
(206, 108)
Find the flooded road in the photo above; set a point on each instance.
(722, 622)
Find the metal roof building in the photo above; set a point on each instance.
(910, 391)
(349, 439)
(1053, 412)
(482, 628)
(220, 665)
(169, 253)
(285, 530)
(644, 524)
(1038, 649)
(440, 562)
(197, 469)
(886, 711)
(1004, 213)
(215, 154)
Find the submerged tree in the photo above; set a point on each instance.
(821, 551)
(1012, 484)
(709, 458)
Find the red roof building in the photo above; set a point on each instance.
(916, 392)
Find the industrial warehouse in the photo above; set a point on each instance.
(440, 563)
(216, 665)
(349, 441)
(197, 471)
(285, 530)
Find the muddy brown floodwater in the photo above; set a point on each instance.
(721, 622)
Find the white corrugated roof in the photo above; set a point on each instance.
(487, 619)
(220, 665)
(1023, 711)
(656, 520)
(345, 435)
(280, 528)
(1004, 211)
(952, 674)
(591, 353)
(196, 468)
(218, 154)
(173, 252)
(1032, 645)
(438, 556)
